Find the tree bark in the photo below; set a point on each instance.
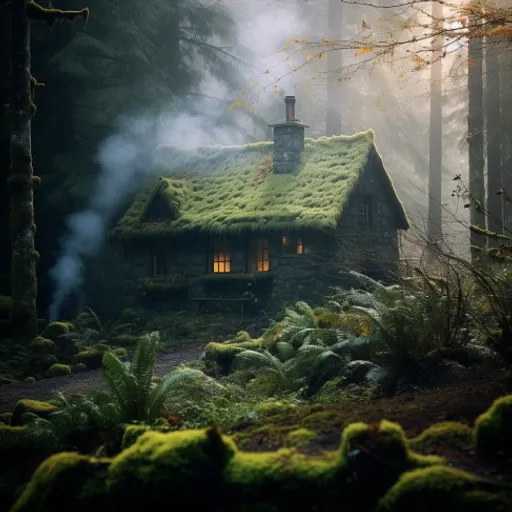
(493, 142)
(476, 137)
(435, 218)
(334, 64)
(506, 124)
(21, 221)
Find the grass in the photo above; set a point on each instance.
(230, 190)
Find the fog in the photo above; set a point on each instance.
(381, 96)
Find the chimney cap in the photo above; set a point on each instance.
(290, 99)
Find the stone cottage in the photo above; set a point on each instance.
(266, 223)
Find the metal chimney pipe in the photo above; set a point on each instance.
(289, 102)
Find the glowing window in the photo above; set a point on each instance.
(259, 256)
(160, 263)
(292, 245)
(221, 261)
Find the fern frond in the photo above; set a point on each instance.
(143, 362)
(122, 385)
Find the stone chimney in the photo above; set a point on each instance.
(288, 140)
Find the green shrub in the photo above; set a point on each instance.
(91, 358)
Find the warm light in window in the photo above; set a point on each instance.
(300, 246)
(260, 259)
(285, 240)
(221, 262)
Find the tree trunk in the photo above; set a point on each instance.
(21, 222)
(476, 136)
(493, 128)
(435, 218)
(506, 124)
(334, 64)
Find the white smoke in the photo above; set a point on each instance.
(126, 157)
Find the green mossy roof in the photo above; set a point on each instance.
(231, 189)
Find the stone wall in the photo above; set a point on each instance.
(373, 248)
(294, 276)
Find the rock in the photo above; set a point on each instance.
(356, 371)
(57, 370)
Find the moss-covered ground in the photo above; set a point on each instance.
(453, 409)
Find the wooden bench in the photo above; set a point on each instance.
(203, 300)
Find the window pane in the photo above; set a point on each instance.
(227, 266)
(265, 266)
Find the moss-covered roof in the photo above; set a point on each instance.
(231, 189)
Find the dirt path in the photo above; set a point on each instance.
(85, 381)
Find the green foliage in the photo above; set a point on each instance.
(225, 194)
(94, 330)
(411, 322)
(492, 429)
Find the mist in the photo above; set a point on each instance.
(126, 158)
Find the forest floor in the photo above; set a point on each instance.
(83, 382)
(461, 401)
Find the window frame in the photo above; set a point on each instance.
(363, 219)
(161, 257)
(294, 241)
(259, 253)
(218, 249)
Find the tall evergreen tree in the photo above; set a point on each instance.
(20, 111)
(476, 128)
(434, 226)
(493, 139)
(334, 64)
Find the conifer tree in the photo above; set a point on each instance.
(20, 110)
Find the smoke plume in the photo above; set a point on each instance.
(126, 158)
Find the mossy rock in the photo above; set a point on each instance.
(5, 303)
(42, 345)
(6, 380)
(66, 481)
(380, 452)
(54, 330)
(6, 417)
(442, 488)
(300, 438)
(30, 379)
(203, 469)
(196, 459)
(80, 367)
(91, 358)
(449, 433)
(121, 353)
(493, 429)
(58, 370)
(223, 354)
(41, 409)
